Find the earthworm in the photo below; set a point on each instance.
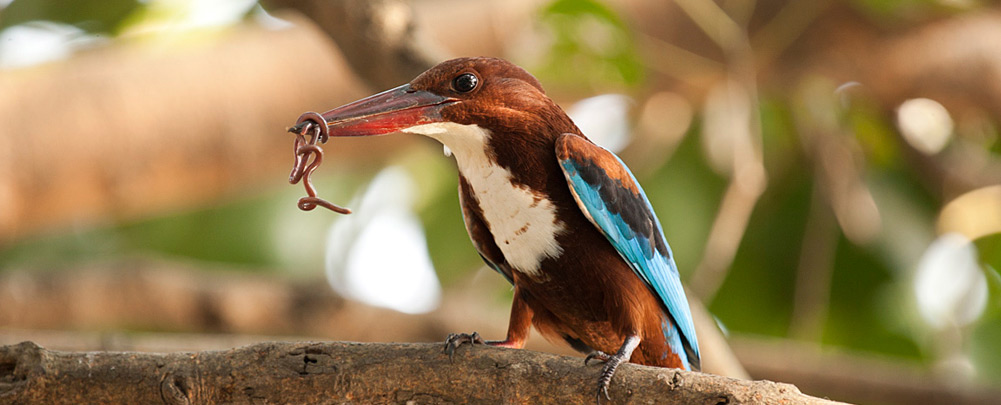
(313, 125)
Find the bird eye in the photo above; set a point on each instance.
(465, 82)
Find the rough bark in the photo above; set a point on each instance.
(162, 295)
(857, 376)
(379, 38)
(339, 372)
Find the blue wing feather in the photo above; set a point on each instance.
(612, 199)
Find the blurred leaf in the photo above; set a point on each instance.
(49, 251)
(590, 41)
(230, 233)
(992, 139)
(758, 292)
(858, 304)
(888, 12)
(95, 16)
(874, 134)
(779, 140)
(983, 348)
(451, 250)
(994, 292)
(990, 249)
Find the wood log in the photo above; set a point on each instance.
(856, 376)
(342, 372)
(168, 296)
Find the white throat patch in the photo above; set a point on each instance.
(523, 222)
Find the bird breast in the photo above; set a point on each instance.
(522, 221)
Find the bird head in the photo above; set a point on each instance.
(488, 93)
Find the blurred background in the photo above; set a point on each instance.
(828, 174)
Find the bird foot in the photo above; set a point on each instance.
(596, 355)
(454, 340)
(612, 363)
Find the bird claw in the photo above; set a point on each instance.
(602, 390)
(611, 364)
(454, 340)
(596, 355)
(606, 372)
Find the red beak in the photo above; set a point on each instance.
(387, 112)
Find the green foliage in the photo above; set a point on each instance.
(874, 134)
(232, 233)
(757, 294)
(990, 249)
(779, 142)
(994, 292)
(58, 250)
(451, 251)
(983, 348)
(591, 44)
(93, 16)
(899, 11)
(861, 312)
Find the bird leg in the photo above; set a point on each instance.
(517, 329)
(612, 362)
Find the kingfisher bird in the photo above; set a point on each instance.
(559, 217)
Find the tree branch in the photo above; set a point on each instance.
(862, 377)
(144, 294)
(336, 372)
(379, 38)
